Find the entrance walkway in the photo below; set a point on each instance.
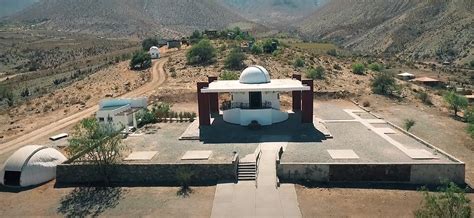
(260, 199)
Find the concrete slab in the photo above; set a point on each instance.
(343, 154)
(386, 130)
(196, 155)
(192, 132)
(141, 155)
(376, 121)
(420, 154)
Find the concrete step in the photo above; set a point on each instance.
(247, 173)
(248, 164)
(246, 178)
(248, 170)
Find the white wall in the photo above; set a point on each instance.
(245, 117)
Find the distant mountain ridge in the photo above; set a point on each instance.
(136, 18)
(419, 29)
(9, 7)
(276, 12)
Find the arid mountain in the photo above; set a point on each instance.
(9, 7)
(425, 29)
(135, 18)
(274, 12)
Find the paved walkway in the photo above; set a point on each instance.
(245, 199)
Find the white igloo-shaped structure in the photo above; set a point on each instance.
(154, 52)
(31, 165)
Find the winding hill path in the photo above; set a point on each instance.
(158, 77)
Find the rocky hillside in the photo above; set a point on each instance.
(419, 29)
(9, 7)
(274, 12)
(136, 18)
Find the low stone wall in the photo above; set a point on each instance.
(145, 174)
(429, 174)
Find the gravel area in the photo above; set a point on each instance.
(170, 149)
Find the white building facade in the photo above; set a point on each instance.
(120, 112)
(154, 52)
(254, 97)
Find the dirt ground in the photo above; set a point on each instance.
(123, 202)
(352, 202)
(112, 81)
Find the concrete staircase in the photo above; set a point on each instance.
(247, 171)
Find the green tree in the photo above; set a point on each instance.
(7, 94)
(299, 63)
(98, 144)
(456, 102)
(451, 201)
(375, 67)
(140, 60)
(235, 59)
(149, 42)
(145, 116)
(229, 75)
(317, 73)
(332, 52)
(256, 49)
(472, 64)
(201, 53)
(408, 124)
(384, 84)
(358, 68)
(195, 37)
(270, 45)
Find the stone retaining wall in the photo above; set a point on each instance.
(145, 174)
(432, 173)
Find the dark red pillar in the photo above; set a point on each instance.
(213, 97)
(203, 105)
(296, 95)
(307, 103)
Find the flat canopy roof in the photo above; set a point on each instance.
(281, 85)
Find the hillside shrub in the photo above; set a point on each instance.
(450, 201)
(298, 63)
(235, 59)
(140, 60)
(375, 67)
(384, 84)
(7, 95)
(471, 64)
(456, 102)
(149, 42)
(201, 53)
(195, 37)
(408, 124)
(256, 49)
(229, 75)
(358, 68)
(332, 52)
(425, 98)
(270, 45)
(315, 74)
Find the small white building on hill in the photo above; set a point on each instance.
(154, 52)
(121, 112)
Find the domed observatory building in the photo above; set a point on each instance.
(254, 97)
(154, 52)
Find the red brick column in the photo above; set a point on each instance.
(296, 95)
(213, 97)
(307, 103)
(203, 105)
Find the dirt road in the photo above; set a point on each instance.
(158, 77)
